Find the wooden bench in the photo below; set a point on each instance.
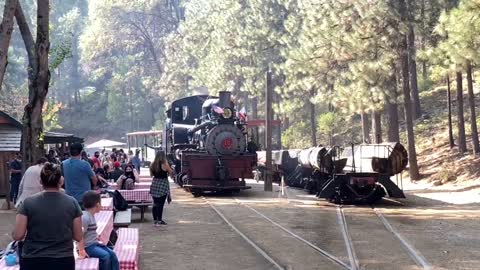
(85, 264)
(123, 218)
(127, 248)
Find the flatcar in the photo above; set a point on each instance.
(206, 141)
(356, 174)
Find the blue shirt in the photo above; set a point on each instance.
(77, 174)
(136, 163)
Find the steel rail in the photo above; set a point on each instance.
(348, 240)
(248, 240)
(321, 251)
(412, 252)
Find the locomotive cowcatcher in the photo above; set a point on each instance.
(206, 141)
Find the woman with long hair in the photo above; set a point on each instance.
(48, 222)
(128, 178)
(160, 188)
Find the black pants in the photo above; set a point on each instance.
(157, 210)
(67, 263)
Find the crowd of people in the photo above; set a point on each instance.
(52, 194)
(115, 166)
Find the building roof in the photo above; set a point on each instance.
(11, 135)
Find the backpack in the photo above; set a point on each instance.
(119, 203)
(128, 184)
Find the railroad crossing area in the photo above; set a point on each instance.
(265, 230)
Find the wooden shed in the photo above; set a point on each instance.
(10, 137)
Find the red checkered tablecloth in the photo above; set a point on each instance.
(137, 195)
(145, 179)
(85, 264)
(104, 225)
(107, 204)
(141, 185)
(127, 248)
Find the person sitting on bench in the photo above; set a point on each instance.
(90, 246)
(128, 179)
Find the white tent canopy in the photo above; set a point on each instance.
(105, 144)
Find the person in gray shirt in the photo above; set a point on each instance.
(48, 222)
(90, 245)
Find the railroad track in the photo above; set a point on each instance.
(278, 265)
(414, 254)
(354, 262)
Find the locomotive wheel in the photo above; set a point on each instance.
(196, 192)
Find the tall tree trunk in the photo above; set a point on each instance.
(313, 122)
(412, 154)
(423, 44)
(471, 103)
(75, 75)
(377, 126)
(451, 141)
(6, 29)
(365, 128)
(391, 108)
(404, 57)
(38, 80)
(462, 143)
(412, 66)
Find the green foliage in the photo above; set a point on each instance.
(50, 116)
(295, 137)
(328, 124)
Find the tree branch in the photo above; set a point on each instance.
(27, 37)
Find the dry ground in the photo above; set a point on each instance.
(197, 238)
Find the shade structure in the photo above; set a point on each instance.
(105, 143)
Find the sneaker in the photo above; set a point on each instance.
(155, 224)
(162, 222)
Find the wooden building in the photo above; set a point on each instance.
(10, 139)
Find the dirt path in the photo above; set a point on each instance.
(196, 237)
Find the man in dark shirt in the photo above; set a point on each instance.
(15, 176)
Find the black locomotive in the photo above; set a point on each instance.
(206, 142)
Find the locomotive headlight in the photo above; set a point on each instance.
(227, 113)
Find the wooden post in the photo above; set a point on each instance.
(268, 131)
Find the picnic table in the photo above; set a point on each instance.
(138, 197)
(145, 179)
(107, 204)
(141, 185)
(104, 225)
(127, 248)
(85, 264)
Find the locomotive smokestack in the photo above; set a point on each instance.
(224, 99)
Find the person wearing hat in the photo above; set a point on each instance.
(78, 174)
(117, 171)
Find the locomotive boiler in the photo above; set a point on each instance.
(356, 174)
(206, 141)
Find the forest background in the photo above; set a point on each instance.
(344, 71)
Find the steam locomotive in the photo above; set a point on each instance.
(206, 141)
(357, 174)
